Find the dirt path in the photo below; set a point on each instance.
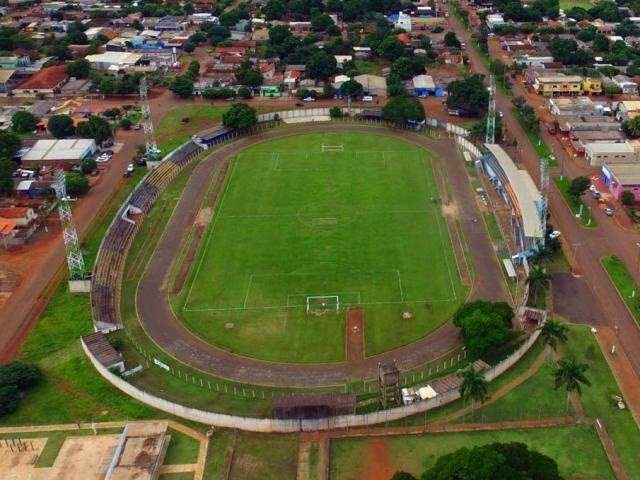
(24, 306)
(355, 334)
(162, 326)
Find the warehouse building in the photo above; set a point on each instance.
(114, 61)
(59, 153)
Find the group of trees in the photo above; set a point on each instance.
(182, 85)
(16, 378)
(485, 326)
(351, 10)
(240, 116)
(9, 145)
(61, 126)
(489, 462)
(469, 95)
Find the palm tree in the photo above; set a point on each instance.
(552, 332)
(473, 386)
(570, 374)
(538, 281)
(540, 254)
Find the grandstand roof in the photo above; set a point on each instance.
(525, 190)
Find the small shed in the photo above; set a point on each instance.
(423, 86)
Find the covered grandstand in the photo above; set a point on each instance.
(520, 193)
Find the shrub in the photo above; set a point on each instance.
(77, 184)
(335, 112)
(628, 198)
(20, 375)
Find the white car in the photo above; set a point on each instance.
(103, 158)
(309, 99)
(609, 211)
(367, 98)
(555, 234)
(130, 168)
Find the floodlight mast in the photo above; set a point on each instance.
(152, 152)
(490, 135)
(75, 261)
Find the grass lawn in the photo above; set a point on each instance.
(517, 404)
(264, 457)
(542, 149)
(357, 226)
(492, 227)
(172, 132)
(624, 283)
(176, 476)
(575, 204)
(569, 4)
(597, 398)
(576, 449)
(221, 447)
(182, 448)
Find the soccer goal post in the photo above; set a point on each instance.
(321, 304)
(332, 148)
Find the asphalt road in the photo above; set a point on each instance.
(584, 247)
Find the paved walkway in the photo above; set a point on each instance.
(165, 330)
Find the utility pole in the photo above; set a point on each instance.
(490, 135)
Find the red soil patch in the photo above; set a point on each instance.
(355, 334)
(378, 466)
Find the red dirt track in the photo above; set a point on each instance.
(355, 334)
(165, 330)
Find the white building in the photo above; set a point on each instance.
(598, 153)
(403, 22)
(59, 153)
(114, 61)
(494, 20)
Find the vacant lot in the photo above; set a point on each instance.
(300, 234)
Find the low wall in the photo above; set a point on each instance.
(278, 425)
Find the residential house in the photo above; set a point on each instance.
(423, 86)
(494, 19)
(577, 106)
(372, 84)
(586, 123)
(592, 86)
(628, 86)
(47, 81)
(7, 81)
(549, 84)
(627, 109)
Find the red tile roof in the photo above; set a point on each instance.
(45, 79)
(14, 212)
(7, 226)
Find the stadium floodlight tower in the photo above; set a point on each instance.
(75, 261)
(152, 152)
(544, 197)
(490, 134)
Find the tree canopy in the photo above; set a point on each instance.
(15, 379)
(248, 75)
(61, 126)
(240, 115)
(497, 460)
(469, 95)
(321, 65)
(24, 122)
(80, 68)
(76, 183)
(182, 86)
(351, 88)
(95, 127)
(402, 109)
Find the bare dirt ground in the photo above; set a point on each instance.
(378, 466)
(16, 465)
(355, 334)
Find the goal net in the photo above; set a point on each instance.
(323, 304)
(332, 148)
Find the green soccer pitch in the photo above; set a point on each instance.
(309, 225)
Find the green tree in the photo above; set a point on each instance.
(553, 332)
(7, 167)
(403, 476)
(632, 127)
(468, 95)
(248, 75)
(451, 40)
(126, 123)
(95, 127)
(628, 198)
(19, 374)
(474, 386)
(351, 88)
(61, 126)
(182, 87)
(538, 281)
(321, 65)
(77, 183)
(240, 115)
(80, 68)
(335, 112)
(502, 309)
(391, 48)
(578, 186)
(244, 92)
(24, 122)
(9, 399)
(274, 9)
(513, 461)
(483, 333)
(321, 22)
(403, 109)
(9, 144)
(571, 375)
(88, 165)
(60, 51)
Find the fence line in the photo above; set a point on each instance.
(280, 425)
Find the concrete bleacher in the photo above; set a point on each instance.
(110, 262)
